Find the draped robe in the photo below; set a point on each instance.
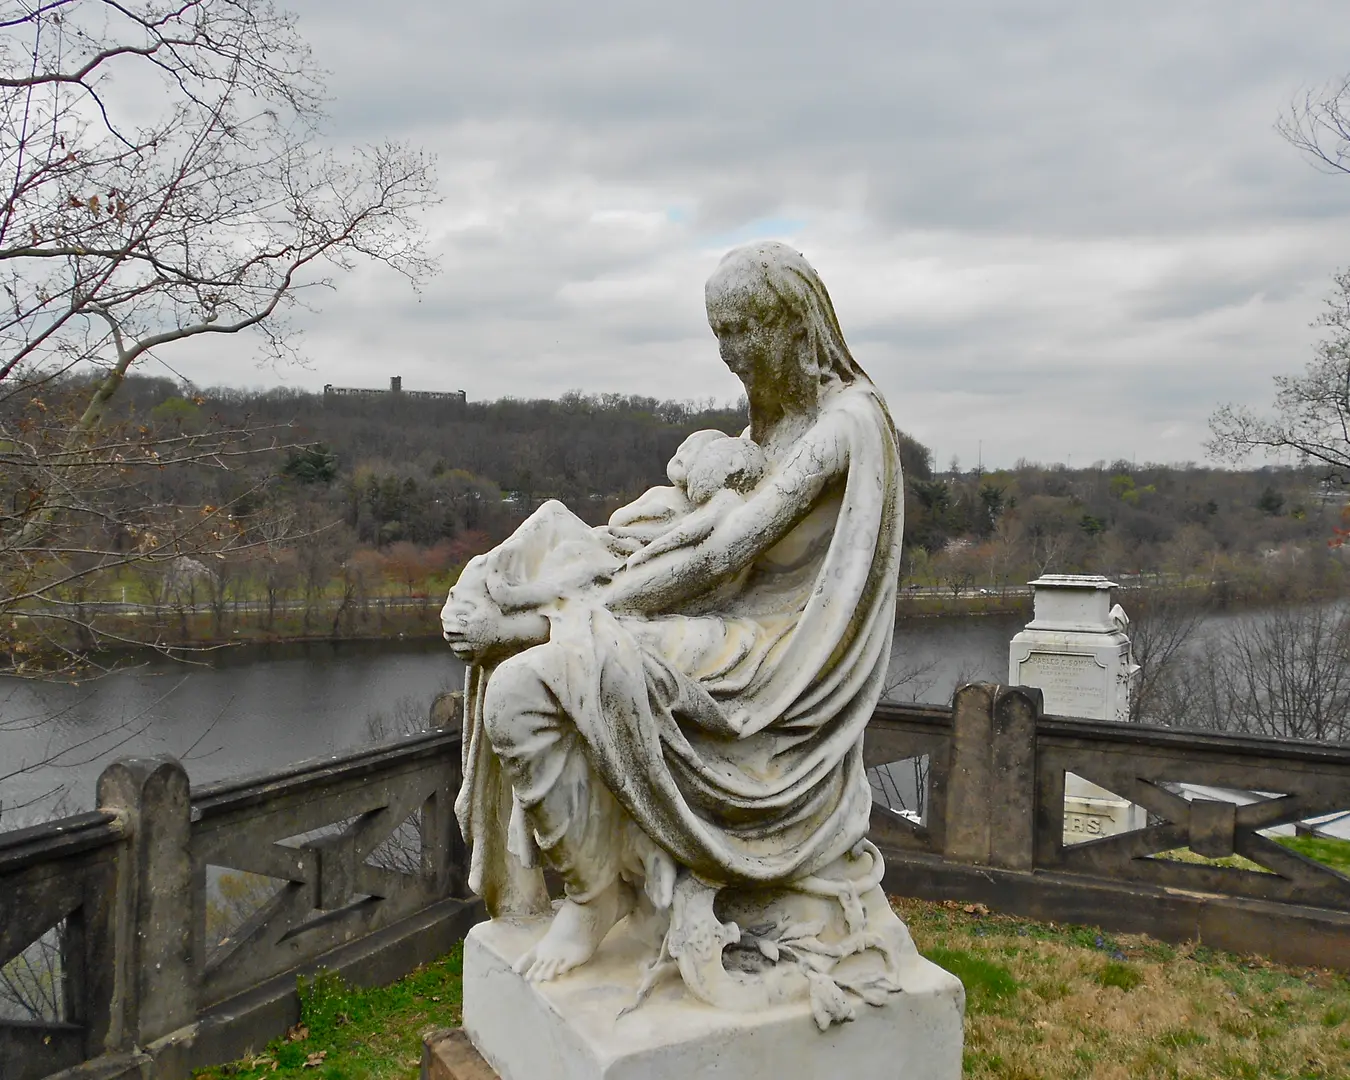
(730, 730)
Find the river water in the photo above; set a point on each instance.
(255, 708)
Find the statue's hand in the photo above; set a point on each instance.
(622, 542)
(466, 628)
(690, 531)
(480, 630)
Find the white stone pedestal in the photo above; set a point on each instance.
(569, 1029)
(1079, 656)
(1091, 812)
(1074, 650)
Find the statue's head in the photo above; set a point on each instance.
(775, 324)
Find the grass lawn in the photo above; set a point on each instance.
(1044, 1002)
(1325, 850)
(1047, 1001)
(1329, 852)
(349, 1034)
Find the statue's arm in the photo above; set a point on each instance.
(690, 529)
(739, 537)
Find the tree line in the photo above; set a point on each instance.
(1260, 534)
(392, 478)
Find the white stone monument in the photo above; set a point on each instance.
(668, 712)
(1076, 650)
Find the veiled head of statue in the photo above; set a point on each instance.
(774, 321)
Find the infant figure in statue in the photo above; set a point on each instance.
(710, 473)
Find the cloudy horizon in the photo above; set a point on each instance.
(1051, 231)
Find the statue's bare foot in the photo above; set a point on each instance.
(575, 934)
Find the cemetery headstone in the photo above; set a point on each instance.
(1076, 649)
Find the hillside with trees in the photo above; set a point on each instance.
(316, 515)
(1267, 533)
(380, 471)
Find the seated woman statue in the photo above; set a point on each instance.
(668, 711)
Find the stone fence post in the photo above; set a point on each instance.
(991, 786)
(447, 711)
(155, 985)
(443, 850)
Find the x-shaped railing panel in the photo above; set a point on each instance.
(329, 891)
(1212, 828)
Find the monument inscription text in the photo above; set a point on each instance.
(1071, 682)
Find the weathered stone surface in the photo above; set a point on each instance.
(570, 1028)
(1075, 649)
(1077, 653)
(992, 773)
(668, 710)
(160, 988)
(447, 711)
(447, 1054)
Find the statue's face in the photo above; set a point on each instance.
(754, 340)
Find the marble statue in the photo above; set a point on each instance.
(668, 710)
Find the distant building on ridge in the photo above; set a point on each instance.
(395, 387)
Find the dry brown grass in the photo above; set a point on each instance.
(1050, 1002)
(1044, 1002)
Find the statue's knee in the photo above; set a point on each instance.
(515, 689)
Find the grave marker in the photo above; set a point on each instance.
(1076, 650)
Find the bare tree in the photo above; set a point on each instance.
(1051, 531)
(958, 566)
(1318, 124)
(122, 235)
(162, 178)
(1163, 625)
(221, 585)
(276, 566)
(1311, 415)
(1284, 672)
(1312, 411)
(912, 680)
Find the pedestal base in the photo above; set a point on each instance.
(570, 1029)
(447, 1054)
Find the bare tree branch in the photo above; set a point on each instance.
(1311, 415)
(211, 210)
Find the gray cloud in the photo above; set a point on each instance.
(1054, 228)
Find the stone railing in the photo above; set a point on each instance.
(992, 771)
(351, 862)
(362, 870)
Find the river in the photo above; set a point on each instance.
(253, 708)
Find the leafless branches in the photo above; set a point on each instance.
(31, 984)
(1163, 624)
(1312, 411)
(162, 178)
(1317, 124)
(209, 215)
(139, 494)
(1282, 672)
(1311, 417)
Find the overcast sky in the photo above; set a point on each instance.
(1064, 230)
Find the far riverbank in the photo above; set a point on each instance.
(171, 627)
(251, 706)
